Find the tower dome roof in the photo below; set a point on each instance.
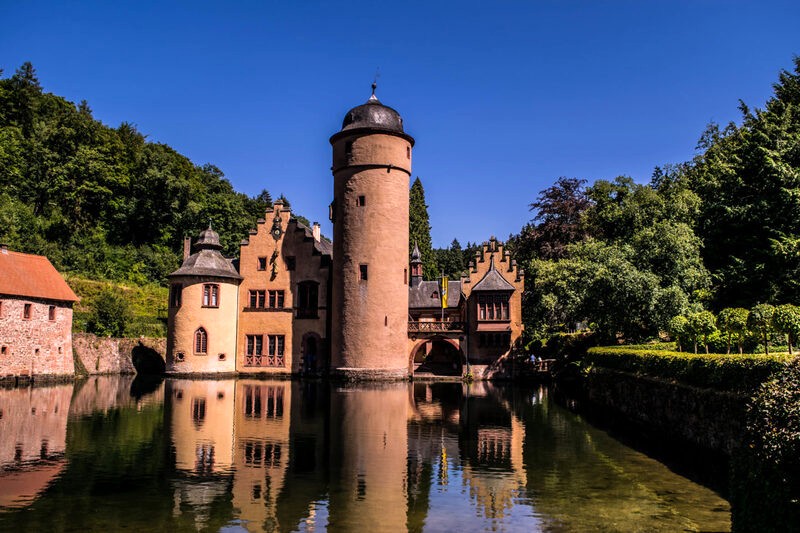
(373, 115)
(208, 240)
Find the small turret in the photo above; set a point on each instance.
(416, 267)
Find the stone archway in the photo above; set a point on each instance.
(437, 356)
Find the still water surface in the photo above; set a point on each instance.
(111, 454)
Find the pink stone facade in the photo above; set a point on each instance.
(37, 341)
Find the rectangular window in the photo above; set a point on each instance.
(210, 295)
(175, 296)
(348, 149)
(276, 299)
(26, 312)
(1, 308)
(258, 299)
(362, 201)
(307, 299)
(255, 350)
(4, 350)
(291, 263)
(362, 270)
(275, 356)
(51, 313)
(262, 263)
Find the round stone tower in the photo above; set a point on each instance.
(203, 307)
(371, 171)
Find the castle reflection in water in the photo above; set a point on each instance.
(253, 455)
(282, 447)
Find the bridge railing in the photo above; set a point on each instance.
(434, 327)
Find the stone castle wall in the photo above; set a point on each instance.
(104, 355)
(35, 346)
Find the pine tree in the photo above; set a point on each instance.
(419, 229)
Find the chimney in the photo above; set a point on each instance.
(315, 231)
(187, 247)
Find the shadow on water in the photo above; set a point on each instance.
(147, 361)
(142, 385)
(702, 466)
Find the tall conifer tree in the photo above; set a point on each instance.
(419, 229)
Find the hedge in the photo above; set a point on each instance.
(737, 373)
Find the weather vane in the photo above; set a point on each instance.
(375, 80)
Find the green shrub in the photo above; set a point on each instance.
(110, 314)
(765, 489)
(741, 373)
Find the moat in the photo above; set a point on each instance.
(111, 453)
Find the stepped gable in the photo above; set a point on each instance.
(32, 276)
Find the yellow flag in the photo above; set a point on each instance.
(444, 293)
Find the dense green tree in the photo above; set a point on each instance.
(759, 321)
(733, 321)
(557, 222)
(103, 201)
(419, 230)
(110, 314)
(450, 260)
(748, 180)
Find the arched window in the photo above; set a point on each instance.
(200, 341)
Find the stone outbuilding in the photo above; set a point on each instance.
(35, 317)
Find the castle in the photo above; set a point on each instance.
(357, 308)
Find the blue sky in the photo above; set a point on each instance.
(502, 97)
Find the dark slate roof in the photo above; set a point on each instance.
(493, 281)
(373, 115)
(208, 239)
(419, 297)
(416, 256)
(323, 246)
(207, 262)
